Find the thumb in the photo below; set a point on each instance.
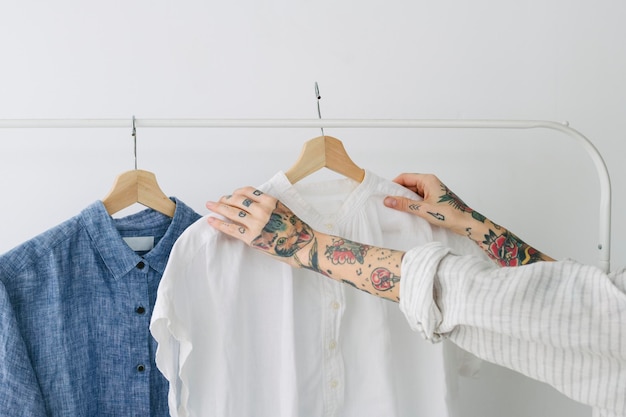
(403, 204)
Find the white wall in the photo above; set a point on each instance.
(550, 59)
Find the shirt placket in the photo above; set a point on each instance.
(333, 304)
(139, 361)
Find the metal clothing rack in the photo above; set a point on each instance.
(604, 244)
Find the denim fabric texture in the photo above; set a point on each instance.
(75, 307)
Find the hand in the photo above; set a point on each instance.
(262, 222)
(267, 225)
(440, 207)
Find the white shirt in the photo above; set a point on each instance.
(241, 334)
(562, 323)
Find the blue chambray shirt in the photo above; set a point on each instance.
(75, 307)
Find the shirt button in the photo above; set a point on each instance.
(141, 265)
(141, 368)
(332, 345)
(140, 310)
(335, 305)
(334, 383)
(329, 226)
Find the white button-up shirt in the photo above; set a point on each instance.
(241, 334)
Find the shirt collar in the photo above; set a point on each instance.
(116, 254)
(353, 194)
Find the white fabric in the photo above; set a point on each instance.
(241, 334)
(558, 322)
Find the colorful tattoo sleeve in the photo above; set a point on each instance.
(509, 250)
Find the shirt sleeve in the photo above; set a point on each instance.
(562, 323)
(20, 393)
(168, 330)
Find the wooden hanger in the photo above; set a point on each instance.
(138, 186)
(324, 151)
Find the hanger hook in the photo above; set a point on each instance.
(318, 96)
(134, 134)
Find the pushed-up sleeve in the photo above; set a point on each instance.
(562, 323)
(418, 301)
(20, 393)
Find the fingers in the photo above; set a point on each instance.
(435, 215)
(403, 204)
(440, 206)
(244, 201)
(245, 213)
(407, 180)
(422, 184)
(247, 199)
(232, 229)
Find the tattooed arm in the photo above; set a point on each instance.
(441, 207)
(367, 268)
(266, 224)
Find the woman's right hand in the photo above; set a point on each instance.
(440, 206)
(262, 222)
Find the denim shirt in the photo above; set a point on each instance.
(75, 307)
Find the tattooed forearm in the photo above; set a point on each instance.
(477, 216)
(313, 260)
(502, 246)
(368, 268)
(371, 269)
(344, 251)
(509, 250)
(384, 255)
(383, 279)
(449, 197)
(452, 199)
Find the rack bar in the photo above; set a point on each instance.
(282, 123)
(604, 244)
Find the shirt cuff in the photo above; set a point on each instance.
(417, 289)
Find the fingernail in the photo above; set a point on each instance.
(391, 202)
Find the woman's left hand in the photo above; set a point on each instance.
(262, 222)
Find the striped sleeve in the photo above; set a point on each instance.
(562, 323)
